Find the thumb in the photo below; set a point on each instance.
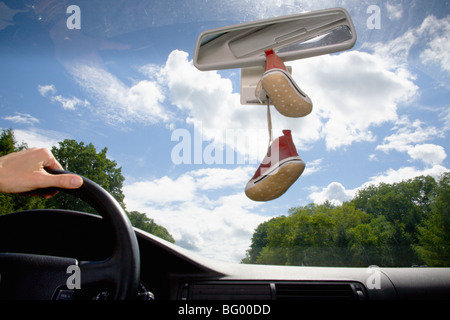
(68, 181)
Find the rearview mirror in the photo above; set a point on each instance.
(291, 37)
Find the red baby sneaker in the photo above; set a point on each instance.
(280, 168)
(282, 90)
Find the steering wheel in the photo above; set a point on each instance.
(48, 275)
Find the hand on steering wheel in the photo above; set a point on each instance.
(48, 273)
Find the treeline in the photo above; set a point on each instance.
(86, 161)
(392, 225)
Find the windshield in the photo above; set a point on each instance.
(118, 76)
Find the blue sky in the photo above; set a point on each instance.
(381, 111)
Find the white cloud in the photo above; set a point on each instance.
(161, 191)
(395, 11)
(186, 187)
(437, 32)
(22, 118)
(394, 53)
(335, 193)
(47, 89)
(70, 103)
(217, 178)
(118, 102)
(312, 167)
(228, 225)
(429, 153)
(432, 36)
(39, 138)
(445, 117)
(199, 220)
(408, 133)
(405, 173)
(207, 102)
(352, 92)
(430, 41)
(410, 137)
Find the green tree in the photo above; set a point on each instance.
(434, 233)
(7, 145)
(403, 205)
(346, 217)
(84, 160)
(399, 224)
(8, 142)
(141, 221)
(259, 241)
(310, 235)
(370, 243)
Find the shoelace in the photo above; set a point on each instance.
(269, 122)
(269, 117)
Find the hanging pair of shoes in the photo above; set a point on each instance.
(282, 165)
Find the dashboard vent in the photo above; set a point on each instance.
(317, 291)
(230, 291)
(277, 290)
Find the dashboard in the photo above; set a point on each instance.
(169, 272)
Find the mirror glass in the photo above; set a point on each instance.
(337, 35)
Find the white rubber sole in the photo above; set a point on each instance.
(285, 95)
(276, 181)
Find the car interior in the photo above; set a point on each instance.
(75, 255)
(157, 269)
